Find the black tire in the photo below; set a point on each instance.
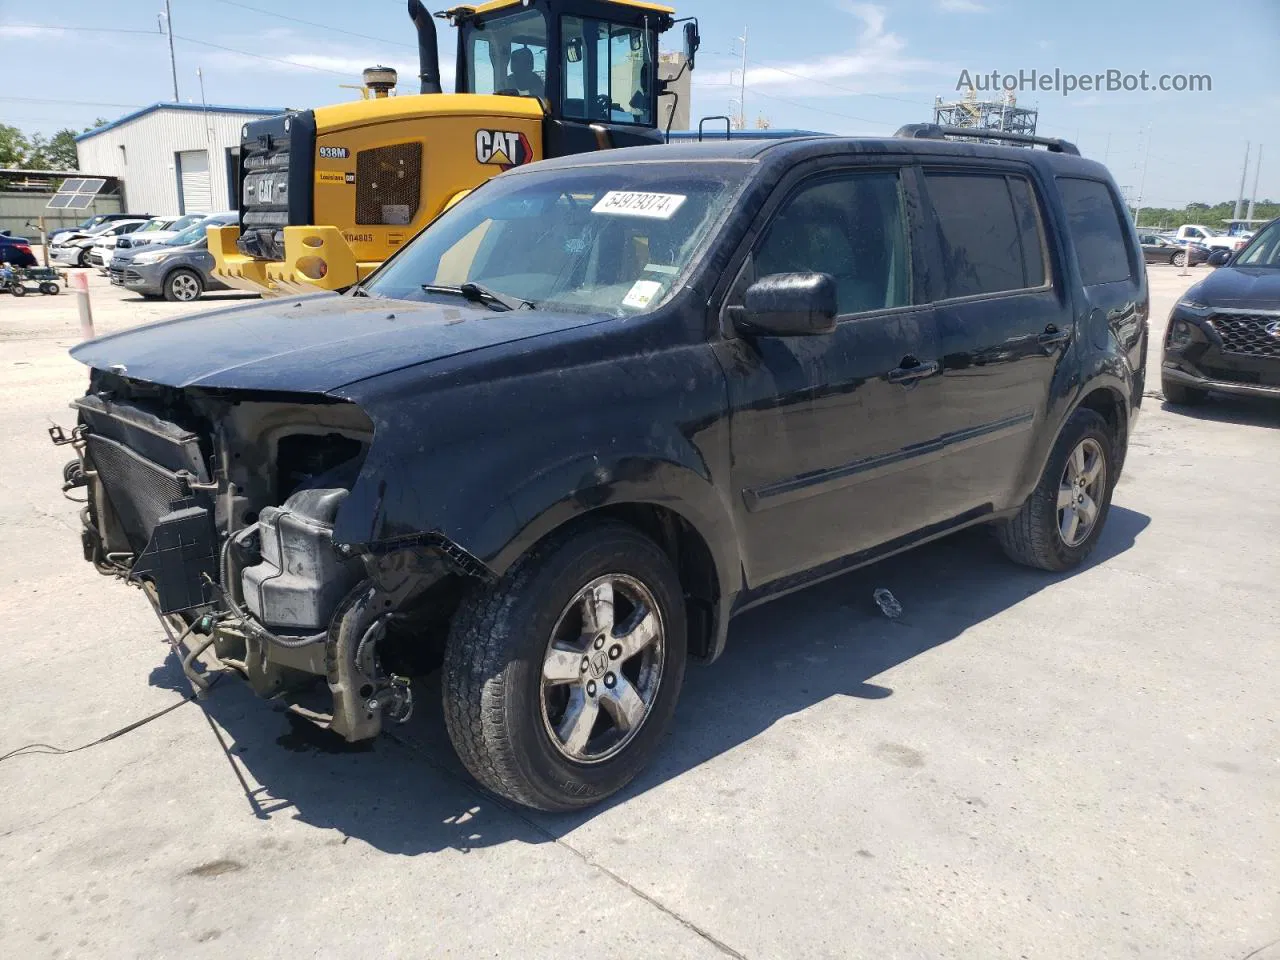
(18, 290)
(494, 661)
(1032, 537)
(50, 289)
(1182, 395)
(183, 286)
(82, 259)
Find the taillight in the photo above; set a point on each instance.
(23, 248)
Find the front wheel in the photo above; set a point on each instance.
(17, 289)
(82, 260)
(183, 286)
(1060, 523)
(561, 677)
(49, 288)
(1179, 260)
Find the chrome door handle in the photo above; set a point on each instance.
(910, 372)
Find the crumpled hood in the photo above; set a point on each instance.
(1249, 288)
(311, 344)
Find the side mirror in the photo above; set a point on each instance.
(692, 41)
(789, 305)
(1219, 257)
(573, 50)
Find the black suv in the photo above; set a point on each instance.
(604, 404)
(1224, 334)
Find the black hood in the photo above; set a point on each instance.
(1247, 288)
(312, 344)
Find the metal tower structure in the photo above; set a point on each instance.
(1002, 114)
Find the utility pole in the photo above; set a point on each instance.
(1142, 184)
(1257, 170)
(742, 99)
(1244, 174)
(173, 60)
(1106, 154)
(208, 131)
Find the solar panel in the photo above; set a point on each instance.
(77, 193)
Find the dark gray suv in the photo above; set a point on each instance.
(179, 269)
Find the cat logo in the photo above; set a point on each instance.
(503, 148)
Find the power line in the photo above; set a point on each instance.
(312, 23)
(259, 56)
(49, 26)
(76, 103)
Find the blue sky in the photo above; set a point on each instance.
(839, 66)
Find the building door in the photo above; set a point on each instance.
(195, 195)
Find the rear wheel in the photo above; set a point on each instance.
(561, 677)
(1182, 395)
(1179, 259)
(1060, 523)
(17, 289)
(183, 286)
(49, 288)
(83, 259)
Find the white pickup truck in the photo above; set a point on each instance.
(1207, 237)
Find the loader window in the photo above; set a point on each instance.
(608, 70)
(507, 55)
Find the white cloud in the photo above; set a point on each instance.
(962, 6)
(875, 61)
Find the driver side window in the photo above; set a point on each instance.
(850, 226)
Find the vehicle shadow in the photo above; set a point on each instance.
(1221, 408)
(406, 793)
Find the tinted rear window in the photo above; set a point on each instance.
(988, 231)
(1096, 230)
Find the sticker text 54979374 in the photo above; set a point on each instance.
(628, 203)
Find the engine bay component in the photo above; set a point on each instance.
(300, 578)
(181, 557)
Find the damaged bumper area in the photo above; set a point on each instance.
(221, 505)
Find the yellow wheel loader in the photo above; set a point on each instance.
(326, 195)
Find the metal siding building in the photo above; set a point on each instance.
(172, 157)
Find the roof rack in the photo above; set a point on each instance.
(934, 131)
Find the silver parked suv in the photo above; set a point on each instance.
(177, 269)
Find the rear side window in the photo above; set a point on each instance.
(988, 231)
(1096, 230)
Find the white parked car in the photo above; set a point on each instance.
(102, 247)
(75, 249)
(157, 230)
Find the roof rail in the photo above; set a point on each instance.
(934, 131)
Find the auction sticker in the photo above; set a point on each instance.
(642, 294)
(626, 203)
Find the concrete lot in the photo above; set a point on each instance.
(1023, 766)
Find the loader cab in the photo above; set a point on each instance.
(592, 63)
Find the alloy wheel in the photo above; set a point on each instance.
(602, 669)
(1081, 491)
(185, 287)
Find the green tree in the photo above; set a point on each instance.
(60, 152)
(14, 147)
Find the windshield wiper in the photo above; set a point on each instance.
(478, 294)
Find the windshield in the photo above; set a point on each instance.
(195, 232)
(1263, 250)
(611, 239)
(153, 226)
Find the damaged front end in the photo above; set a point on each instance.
(221, 505)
